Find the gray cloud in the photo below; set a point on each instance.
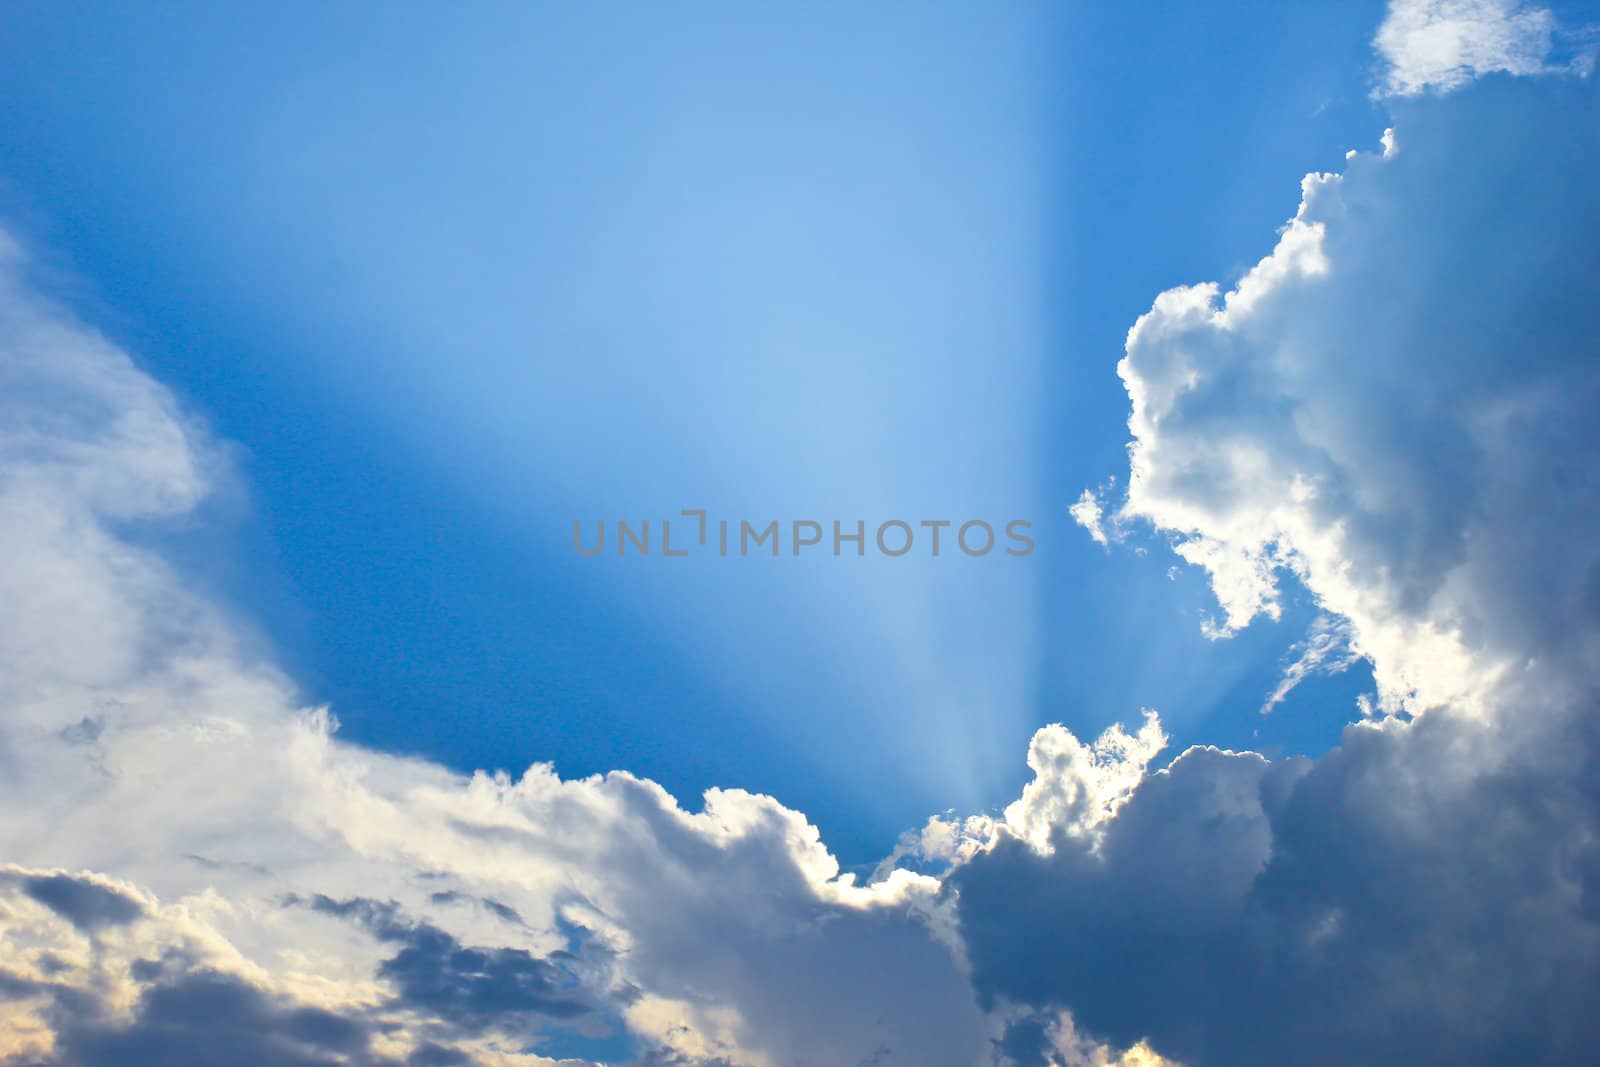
(465, 987)
(89, 903)
(207, 1018)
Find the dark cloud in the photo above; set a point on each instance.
(211, 864)
(202, 1018)
(431, 1055)
(86, 731)
(494, 907)
(88, 903)
(469, 988)
(1381, 906)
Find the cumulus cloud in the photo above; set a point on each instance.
(1364, 414)
(1078, 788)
(1410, 898)
(1394, 409)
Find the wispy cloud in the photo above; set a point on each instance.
(1088, 513)
(1325, 650)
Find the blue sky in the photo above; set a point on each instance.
(321, 327)
(451, 282)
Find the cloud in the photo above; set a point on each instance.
(1086, 512)
(1053, 1040)
(1445, 44)
(86, 901)
(469, 988)
(95, 977)
(1407, 899)
(212, 1018)
(1366, 415)
(1394, 411)
(1078, 788)
(1325, 650)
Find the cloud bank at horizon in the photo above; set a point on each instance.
(1393, 408)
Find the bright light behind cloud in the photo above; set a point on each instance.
(784, 302)
(1393, 408)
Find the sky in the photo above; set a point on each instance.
(320, 329)
(449, 283)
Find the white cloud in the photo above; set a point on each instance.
(1444, 44)
(1325, 650)
(1348, 415)
(1087, 512)
(1077, 788)
(1052, 1039)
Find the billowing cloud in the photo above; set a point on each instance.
(1393, 409)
